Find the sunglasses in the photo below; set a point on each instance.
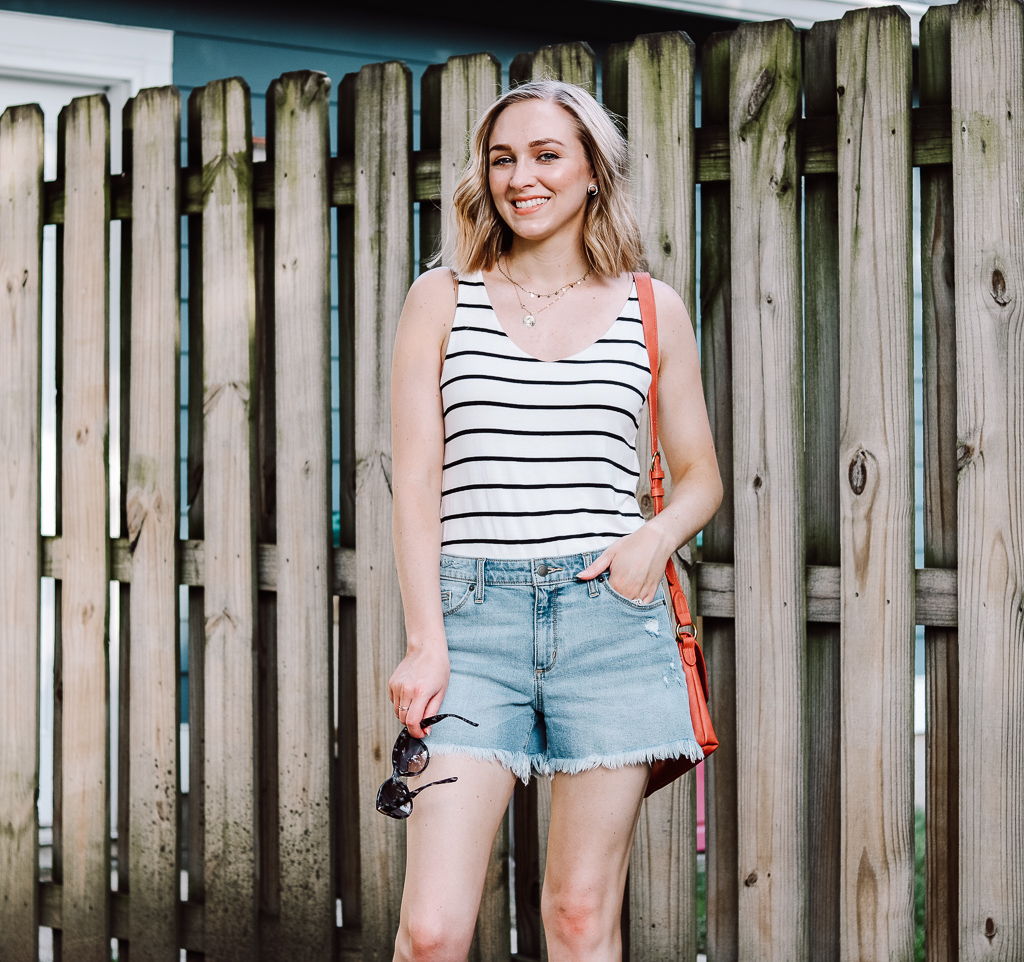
(409, 757)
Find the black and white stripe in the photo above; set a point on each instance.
(540, 456)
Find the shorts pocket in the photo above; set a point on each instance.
(454, 594)
(658, 602)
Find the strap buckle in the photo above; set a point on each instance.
(683, 630)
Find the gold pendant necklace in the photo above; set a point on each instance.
(530, 317)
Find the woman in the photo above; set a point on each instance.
(518, 381)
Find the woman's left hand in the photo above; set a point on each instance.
(635, 563)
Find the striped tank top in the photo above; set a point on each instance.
(539, 456)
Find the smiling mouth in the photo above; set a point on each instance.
(532, 202)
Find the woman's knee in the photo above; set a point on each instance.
(431, 937)
(579, 916)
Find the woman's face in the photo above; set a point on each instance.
(539, 172)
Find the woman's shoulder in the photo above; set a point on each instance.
(436, 282)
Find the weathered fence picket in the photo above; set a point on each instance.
(805, 859)
(302, 314)
(84, 155)
(152, 501)
(876, 494)
(383, 272)
(988, 179)
(768, 489)
(21, 245)
(229, 698)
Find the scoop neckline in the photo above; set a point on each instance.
(569, 357)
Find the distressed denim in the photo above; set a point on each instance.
(562, 675)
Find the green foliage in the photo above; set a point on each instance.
(919, 869)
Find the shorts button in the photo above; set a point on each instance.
(542, 570)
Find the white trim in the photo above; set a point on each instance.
(802, 13)
(85, 51)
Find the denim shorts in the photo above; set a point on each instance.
(562, 675)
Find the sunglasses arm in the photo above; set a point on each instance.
(440, 781)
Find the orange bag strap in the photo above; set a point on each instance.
(685, 631)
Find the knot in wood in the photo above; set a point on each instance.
(999, 294)
(840, 90)
(859, 472)
(757, 482)
(762, 88)
(964, 455)
(990, 929)
(750, 880)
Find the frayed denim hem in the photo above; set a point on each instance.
(687, 747)
(519, 763)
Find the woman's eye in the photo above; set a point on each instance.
(501, 161)
(548, 155)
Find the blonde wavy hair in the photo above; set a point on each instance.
(477, 234)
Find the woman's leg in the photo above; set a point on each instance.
(593, 820)
(450, 834)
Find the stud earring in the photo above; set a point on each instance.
(592, 190)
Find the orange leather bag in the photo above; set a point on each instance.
(668, 770)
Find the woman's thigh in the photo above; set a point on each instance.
(448, 843)
(593, 820)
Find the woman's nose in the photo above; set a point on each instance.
(522, 176)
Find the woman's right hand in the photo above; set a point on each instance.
(418, 684)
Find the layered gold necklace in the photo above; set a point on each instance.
(530, 316)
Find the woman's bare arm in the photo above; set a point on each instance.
(417, 442)
(683, 427)
(636, 563)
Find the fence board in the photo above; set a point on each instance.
(383, 272)
(939, 415)
(347, 786)
(86, 592)
(152, 509)
(821, 487)
(574, 63)
(876, 494)
(430, 140)
(719, 634)
(988, 179)
(21, 240)
(302, 314)
(764, 95)
(469, 85)
(228, 293)
(651, 81)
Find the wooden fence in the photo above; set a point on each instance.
(806, 581)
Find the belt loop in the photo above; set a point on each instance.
(588, 560)
(479, 599)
